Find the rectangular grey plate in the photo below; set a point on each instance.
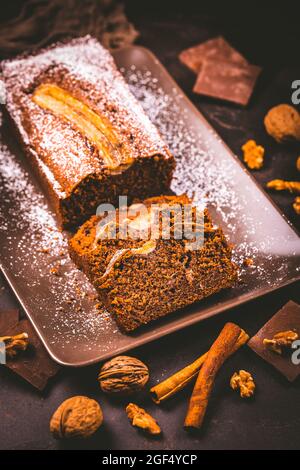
(57, 297)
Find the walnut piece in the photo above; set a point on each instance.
(296, 205)
(253, 155)
(243, 381)
(123, 375)
(283, 123)
(298, 164)
(78, 416)
(14, 344)
(281, 185)
(281, 341)
(141, 419)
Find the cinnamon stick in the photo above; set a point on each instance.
(183, 377)
(221, 349)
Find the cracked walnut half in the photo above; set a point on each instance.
(281, 341)
(243, 381)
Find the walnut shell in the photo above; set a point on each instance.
(283, 123)
(78, 416)
(123, 375)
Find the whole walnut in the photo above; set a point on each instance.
(78, 416)
(123, 375)
(283, 123)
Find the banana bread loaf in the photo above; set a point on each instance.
(87, 137)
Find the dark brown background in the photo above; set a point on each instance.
(267, 37)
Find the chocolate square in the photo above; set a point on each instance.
(215, 49)
(288, 318)
(34, 364)
(227, 80)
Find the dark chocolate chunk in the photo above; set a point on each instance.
(288, 318)
(227, 80)
(34, 364)
(216, 49)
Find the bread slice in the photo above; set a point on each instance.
(140, 279)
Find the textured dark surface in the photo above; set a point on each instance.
(272, 419)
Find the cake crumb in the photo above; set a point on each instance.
(54, 270)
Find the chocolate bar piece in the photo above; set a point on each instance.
(34, 364)
(227, 80)
(213, 49)
(85, 134)
(288, 318)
